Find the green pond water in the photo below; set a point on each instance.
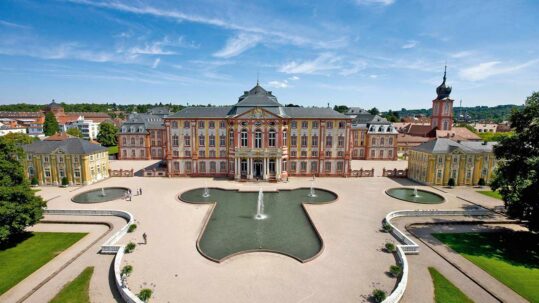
(407, 194)
(96, 195)
(232, 227)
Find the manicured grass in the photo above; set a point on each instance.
(445, 291)
(510, 257)
(490, 193)
(113, 150)
(30, 251)
(76, 291)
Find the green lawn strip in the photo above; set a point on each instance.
(445, 291)
(490, 193)
(76, 291)
(29, 252)
(510, 257)
(113, 150)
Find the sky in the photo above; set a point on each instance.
(388, 54)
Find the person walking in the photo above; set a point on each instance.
(140, 189)
(145, 237)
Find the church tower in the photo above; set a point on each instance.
(442, 107)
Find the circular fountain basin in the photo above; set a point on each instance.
(96, 195)
(232, 227)
(408, 194)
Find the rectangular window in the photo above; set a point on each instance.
(304, 141)
(187, 140)
(222, 124)
(328, 166)
(340, 154)
(315, 124)
(293, 166)
(201, 140)
(212, 140)
(77, 173)
(303, 166)
(293, 124)
(342, 124)
(212, 124)
(222, 153)
(186, 124)
(213, 167)
(304, 153)
(341, 141)
(329, 140)
(176, 165)
(293, 140)
(200, 124)
(314, 153)
(339, 166)
(222, 166)
(329, 124)
(293, 153)
(314, 140)
(176, 153)
(202, 167)
(188, 167)
(222, 140)
(304, 124)
(175, 140)
(314, 166)
(212, 154)
(328, 153)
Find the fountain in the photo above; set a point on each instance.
(260, 206)
(206, 193)
(103, 194)
(415, 192)
(312, 194)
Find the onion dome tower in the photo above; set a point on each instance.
(442, 106)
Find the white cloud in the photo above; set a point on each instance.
(461, 54)
(13, 25)
(354, 68)
(410, 44)
(237, 45)
(373, 76)
(156, 63)
(375, 2)
(279, 84)
(488, 69)
(294, 78)
(324, 62)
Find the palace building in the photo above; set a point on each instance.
(258, 138)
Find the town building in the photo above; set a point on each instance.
(5, 129)
(88, 128)
(60, 156)
(257, 138)
(466, 162)
(485, 127)
(373, 137)
(143, 136)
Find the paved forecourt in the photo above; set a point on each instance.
(350, 267)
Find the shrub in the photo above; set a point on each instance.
(35, 181)
(451, 182)
(390, 247)
(395, 270)
(145, 294)
(130, 247)
(481, 182)
(132, 228)
(378, 295)
(64, 181)
(386, 227)
(127, 270)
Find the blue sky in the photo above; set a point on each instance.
(384, 53)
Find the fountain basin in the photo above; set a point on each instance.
(407, 194)
(96, 195)
(231, 227)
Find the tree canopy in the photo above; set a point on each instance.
(517, 174)
(74, 131)
(19, 206)
(341, 108)
(374, 111)
(50, 127)
(107, 134)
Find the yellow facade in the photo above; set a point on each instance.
(80, 169)
(464, 166)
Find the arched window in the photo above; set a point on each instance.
(271, 139)
(174, 124)
(258, 139)
(243, 138)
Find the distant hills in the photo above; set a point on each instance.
(495, 113)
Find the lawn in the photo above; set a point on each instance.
(29, 252)
(490, 193)
(113, 150)
(445, 291)
(76, 291)
(510, 257)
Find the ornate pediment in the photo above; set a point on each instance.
(257, 113)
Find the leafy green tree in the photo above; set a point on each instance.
(20, 139)
(107, 134)
(75, 132)
(374, 111)
(50, 127)
(19, 206)
(341, 108)
(517, 174)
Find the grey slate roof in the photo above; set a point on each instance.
(68, 146)
(258, 97)
(444, 145)
(144, 120)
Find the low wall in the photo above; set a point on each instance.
(121, 173)
(155, 173)
(408, 246)
(362, 173)
(395, 173)
(109, 246)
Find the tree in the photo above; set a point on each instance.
(75, 132)
(20, 139)
(107, 134)
(19, 206)
(517, 175)
(374, 111)
(50, 127)
(341, 108)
